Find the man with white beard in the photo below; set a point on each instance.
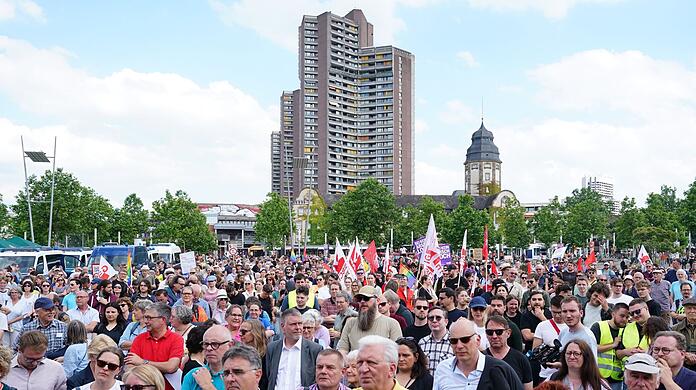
(369, 322)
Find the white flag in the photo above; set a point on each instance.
(105, 271)
(559, 252)
(462, 254)
(643, 255)
(430, 257)
(386, 262)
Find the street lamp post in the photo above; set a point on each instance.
(39, 157)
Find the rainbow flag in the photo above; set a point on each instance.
(129, 269)
(409, 275)
(293, 258)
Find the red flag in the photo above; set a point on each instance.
(370, 255)
(484, 250)
(591, 258)
(581, 268)
(529, 268)
(304, 254)
(494, 270)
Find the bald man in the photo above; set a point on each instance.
(216, 341)
(469, 367)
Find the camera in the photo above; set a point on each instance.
(546, 353)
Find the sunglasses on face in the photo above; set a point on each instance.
(382, 304)
(636, 312)
(435, 318)
(137, 387)
(421, 307)
(111, 366)
(361, 298)
(242, 332)
(498, 332)
(463, 340)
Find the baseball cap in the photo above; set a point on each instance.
(642, 362)
(477, 302)
(211, 278)
(43, 303)
(689, 302)
(96, 281)
(505, 265)
(368, 291)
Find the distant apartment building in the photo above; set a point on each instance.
(604, 186)
(352, 117)
(275, 161)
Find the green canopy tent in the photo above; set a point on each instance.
(16, 242)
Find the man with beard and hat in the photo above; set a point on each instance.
(368, 322)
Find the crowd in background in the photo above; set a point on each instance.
(273, 323)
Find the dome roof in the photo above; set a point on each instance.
(482, 147)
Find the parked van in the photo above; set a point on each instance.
(117, 255)
(41, 259)
(167, 252)
(75, 257)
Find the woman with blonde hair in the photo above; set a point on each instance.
(5, 361)
(108, 366)
(86, 375)
(144, 375)
(351, 365)
(75, 358)
(253, 334)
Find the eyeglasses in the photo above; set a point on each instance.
(111, 366)
(463, 340)
(658, 350)
(497, 332)
(150, 318)
(530, 280)
(124, 305)
(435, 318)
(636, 312)
(362, 298)
(575, 354)
(33, 360)
(214, 345)
(307, 327)
(382, 304)
(137, 387)
(237, 371)
(421, 307)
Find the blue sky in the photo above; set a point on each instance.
(146, 96)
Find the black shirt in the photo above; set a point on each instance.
(530, 321)
(423, 382)
(453, 316)
(417, 332)
(515, 319)
(114, 334)
(519, 362)
(654, 308)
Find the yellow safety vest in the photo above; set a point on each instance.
(292, 299)
(631, 338)
(609, 365)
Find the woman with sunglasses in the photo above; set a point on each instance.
(111, 323)
(108, 365)
(29, 295)
(412, 369)
(579, 368)
(145, 377)
(252, 333)
(126, 306)
(46, 289)
(59, 286)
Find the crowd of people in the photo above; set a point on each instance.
(271, 323)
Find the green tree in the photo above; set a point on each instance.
(131, 219)
(687, 209)
(465, 217)
(317, 220)
(367, 212)
(586, 215)
(513, 225)
(547, 223)
(177, 219)
(77, 210)
(273, 221)
(655, 238)
(630, 218)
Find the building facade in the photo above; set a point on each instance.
(604, 186)
(352, 117)
(482, 167)
(275, 161)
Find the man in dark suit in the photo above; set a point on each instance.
(290, 361)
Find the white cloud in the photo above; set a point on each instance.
(467, 58)
(435, 180)
(552, 9)
(136, 132)
(280, 25)
(457, 113)
(10, 9)
(638, 119)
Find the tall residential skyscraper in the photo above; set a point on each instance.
(275, 161)
(352, 117)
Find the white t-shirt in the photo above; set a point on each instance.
(547, 334)
(481, 331)
(86, 318)
(584, 334)
(623, 298)
(323, 293)
(116, 386)
(3, 322)
(592, 314)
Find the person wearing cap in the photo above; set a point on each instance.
(659, 291)
(452, 279)
(55, 331)
(510, 277)
(222, 303)
(641, 372)
(368, 322)
(668, 349)
(607, 271)
(687, 327)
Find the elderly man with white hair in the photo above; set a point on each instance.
(377, 360)
(641, 372)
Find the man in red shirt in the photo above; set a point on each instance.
(404, 293)
(159, 346)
